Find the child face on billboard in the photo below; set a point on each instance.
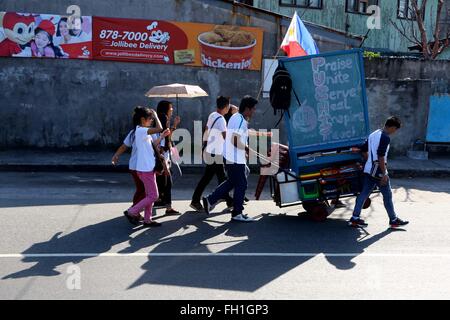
(42, 40)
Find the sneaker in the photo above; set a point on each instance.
(398, 223)
(242, 218)
(207, 206)
(151, 224)
(172, 211)
(357, 223)
(197, 206)
(131, 219)
(246, 199)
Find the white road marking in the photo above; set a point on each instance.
(220, 254)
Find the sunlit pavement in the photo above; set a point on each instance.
(63, 236)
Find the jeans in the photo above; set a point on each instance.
(368, 186)
(237, 181)
(211, 170)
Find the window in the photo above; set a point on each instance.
(359, 6)
(405, 9)
(312, 4)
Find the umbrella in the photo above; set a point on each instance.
(176, 90)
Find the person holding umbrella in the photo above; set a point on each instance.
(165, 112)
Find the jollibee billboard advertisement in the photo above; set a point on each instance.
(165, 42)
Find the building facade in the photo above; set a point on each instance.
(350, 16)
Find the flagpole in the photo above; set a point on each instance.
(265, 77)
(274, 59)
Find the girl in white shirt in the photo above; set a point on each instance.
(145, 163)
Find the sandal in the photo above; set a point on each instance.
(152, 224)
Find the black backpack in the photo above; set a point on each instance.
(280, 91)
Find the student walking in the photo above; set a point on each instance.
(235, 153)
(376, 150)
(215, 134)
(130, 142)
(145, 164)
(165, 112)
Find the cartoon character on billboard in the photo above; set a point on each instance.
(42, 45)
(18, 30)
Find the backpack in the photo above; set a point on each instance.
(280, 91)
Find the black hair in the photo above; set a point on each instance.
(57, 50)
(58, 30)
(163, 107)
(138, 113)
(247, 102)
(393, 122)
(222, 102)
(163, 115)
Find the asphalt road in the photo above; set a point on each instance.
(63, 236)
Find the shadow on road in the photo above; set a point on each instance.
(193, 233)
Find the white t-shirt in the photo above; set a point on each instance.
(377, 146)
(130, 142)
(214, 133)
(238, 125)
(144, 149)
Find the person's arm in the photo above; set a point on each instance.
(237, 142)
(254, 133)
(119, 152)
(164, 134)
(158, 128)
(176, 122)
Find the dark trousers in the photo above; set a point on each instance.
(236, 180)
(139, 194)
(165, 189)
(211, 170)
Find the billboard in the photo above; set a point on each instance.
(45, 36)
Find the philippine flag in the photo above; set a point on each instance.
(298, 41)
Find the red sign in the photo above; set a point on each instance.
(150, 41)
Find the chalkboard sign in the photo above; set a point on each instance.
(333, 111)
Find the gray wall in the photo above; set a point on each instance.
(74, 103)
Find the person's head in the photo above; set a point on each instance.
(248, 106)
(223, 104)
(142, 116)
(76, 26)
(165, 108)
(392, 125)
(63, 28)
(42, 38)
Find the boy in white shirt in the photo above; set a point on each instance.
(235, 154)
(215, 134)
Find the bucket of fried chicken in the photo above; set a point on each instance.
(227, 47)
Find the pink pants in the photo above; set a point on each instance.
(151, 195)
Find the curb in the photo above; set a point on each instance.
(394, 173)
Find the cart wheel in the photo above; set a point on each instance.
(367, 203)
(319, 213)
(317, 210)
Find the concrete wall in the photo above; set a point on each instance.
(403, 87)
(74, 103)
